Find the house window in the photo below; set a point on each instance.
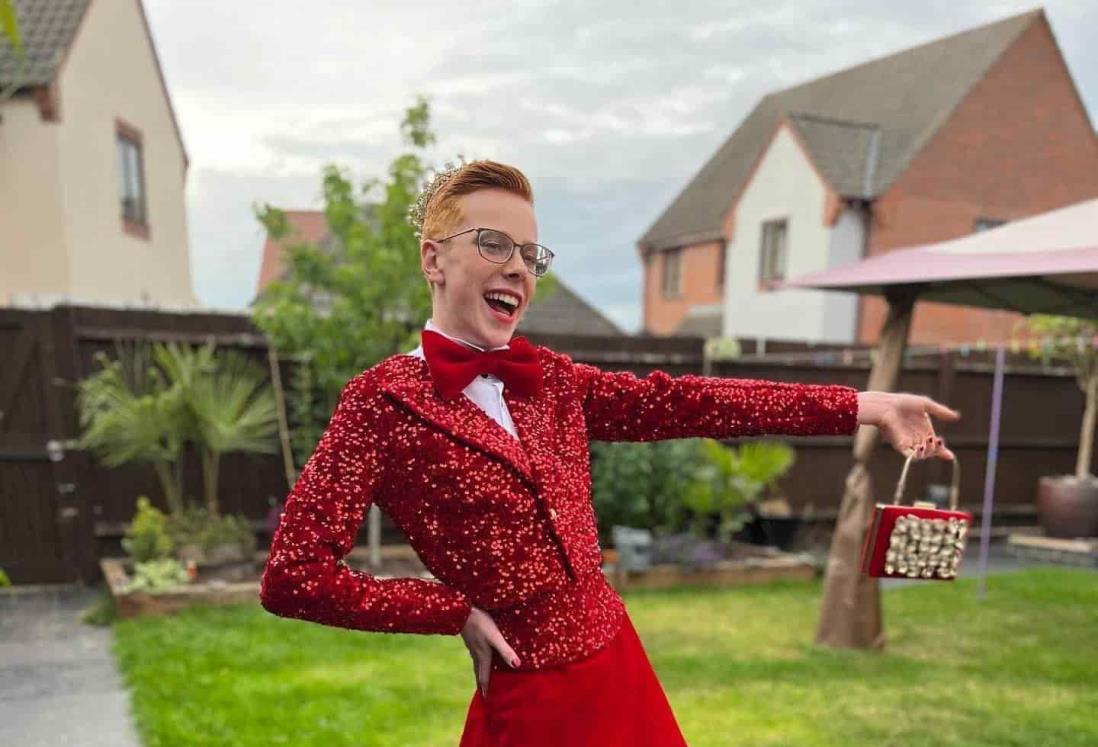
(672, 272)
(131, 180)
(983, 224)
(772, 252)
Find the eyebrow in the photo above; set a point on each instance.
(516, 243)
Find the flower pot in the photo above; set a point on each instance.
(779, 531)
(1068, 507)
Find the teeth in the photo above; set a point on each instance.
(509, 300)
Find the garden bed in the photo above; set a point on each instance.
(233, 583)
(239, 583)
(742, 564)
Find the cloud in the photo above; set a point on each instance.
(609, 107)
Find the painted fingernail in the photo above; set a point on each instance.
(514, 662)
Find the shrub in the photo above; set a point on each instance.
(641, 484)
(196, 526)
(147, 537)
(156, 575)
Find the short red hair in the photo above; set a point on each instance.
(443, 211)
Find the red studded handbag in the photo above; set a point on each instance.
(919, 541)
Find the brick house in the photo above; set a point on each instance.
(92, 162)
(930, 143)
(562, 312)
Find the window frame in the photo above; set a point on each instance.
(767, 276)
(671, 257)
(722, 259)
(126, 135)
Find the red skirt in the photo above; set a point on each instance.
(611, 698)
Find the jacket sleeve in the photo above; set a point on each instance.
(305, 577)
(619, 406)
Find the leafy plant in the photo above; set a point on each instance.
(4, 580)
(1074, 340)
(149, 402)
(640, 484)
(128, 413)
(226, 406)
(147, 537)
(195, 526)
(102, 611)
(157, 575)
(9, 29)
(730, 479)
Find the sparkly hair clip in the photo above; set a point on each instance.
(417, 211)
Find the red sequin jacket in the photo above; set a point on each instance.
(507, 525)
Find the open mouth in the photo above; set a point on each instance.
(502, 304)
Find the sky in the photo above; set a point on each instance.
(609, 108)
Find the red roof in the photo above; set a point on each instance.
(305, 226)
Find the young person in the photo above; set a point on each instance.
(475, 444)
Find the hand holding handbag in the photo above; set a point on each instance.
(917, 541)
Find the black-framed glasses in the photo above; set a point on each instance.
(496, 246)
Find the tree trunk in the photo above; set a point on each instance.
(209, 480)
(1086, 435)
(850, 612)
(172, 493)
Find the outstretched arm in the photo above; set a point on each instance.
(619, 406)
(305, 576)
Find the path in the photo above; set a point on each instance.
(58, 682)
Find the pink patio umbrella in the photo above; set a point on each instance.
(1046, 264)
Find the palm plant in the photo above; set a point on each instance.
(229, 407)
(127, 413)
(732, 478)
(132, 410)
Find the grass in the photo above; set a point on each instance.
(738, 665)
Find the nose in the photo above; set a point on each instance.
(516, 266)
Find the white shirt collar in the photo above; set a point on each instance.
(434, 328)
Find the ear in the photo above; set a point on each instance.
(429, 256)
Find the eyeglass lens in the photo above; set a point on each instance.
(497, 247)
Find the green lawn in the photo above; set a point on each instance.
(1019, 668)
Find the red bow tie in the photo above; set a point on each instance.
(454, 365)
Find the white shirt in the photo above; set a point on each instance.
(486, 390)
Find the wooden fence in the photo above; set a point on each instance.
(60, 510)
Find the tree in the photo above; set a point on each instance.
(361, 297)
(9, 26)
(1075, 340)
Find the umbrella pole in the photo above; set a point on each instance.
(989, 474)
(850, 612)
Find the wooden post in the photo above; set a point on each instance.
(850, 612)
(283, 423)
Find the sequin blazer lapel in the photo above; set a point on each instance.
(462, 419)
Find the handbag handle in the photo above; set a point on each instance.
(954, 488)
